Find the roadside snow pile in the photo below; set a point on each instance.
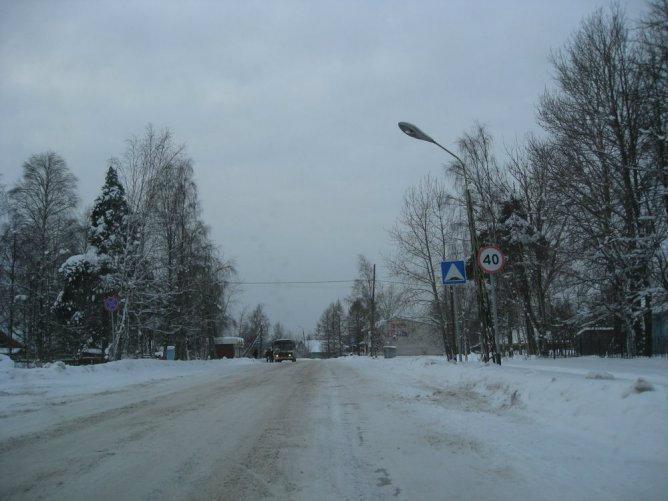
(24, 389)
(56, 366)
(654, 369)
(609, 401)
(599, 375)
(639, 386)
(477, 396)
(6, 363)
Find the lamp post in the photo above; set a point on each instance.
(303, 336)
(485, 342)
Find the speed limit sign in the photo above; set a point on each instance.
(491, 259)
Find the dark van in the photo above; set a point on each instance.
(284, 349)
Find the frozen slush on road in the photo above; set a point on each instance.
(347, 428)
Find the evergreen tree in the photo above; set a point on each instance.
(109, 216)
(89, 277)
(357, 318)
(79, 305)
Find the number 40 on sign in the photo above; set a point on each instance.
(491, 259)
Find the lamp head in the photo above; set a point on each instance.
(414, 132)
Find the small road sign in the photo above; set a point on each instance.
(453, 272)
(491, 259)
(111, 303)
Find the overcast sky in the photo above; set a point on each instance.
(288, 110)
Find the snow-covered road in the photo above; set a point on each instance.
(353, 428)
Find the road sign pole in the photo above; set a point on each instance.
(495, 318)
(480, 288)
(458, 329)
(485, 341)
(113, 330)
(111, 304)
(491, 260)
(452, 273)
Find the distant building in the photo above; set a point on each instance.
(411, 337)
(228, 347)
(599, 340)
(660, 330)
(90, 356)
(9, 345)
(315, 348)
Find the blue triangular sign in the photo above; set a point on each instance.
(453, 272)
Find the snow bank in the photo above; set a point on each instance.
(653, 368)
(599, 375)
(26, 389)
(5, 363)
(620, 403)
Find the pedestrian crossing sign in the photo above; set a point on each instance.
(453, 272)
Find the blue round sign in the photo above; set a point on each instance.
(111, 303)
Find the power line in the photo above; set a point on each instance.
(295, 282)
(311, 282)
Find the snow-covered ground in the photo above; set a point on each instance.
(33, 398)
(579, 427)
(600, 398)
(350, 428)
(30, 387)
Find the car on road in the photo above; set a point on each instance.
(283, 349)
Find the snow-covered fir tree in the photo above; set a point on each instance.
(109, 216)
(79, 305)
(88, 277)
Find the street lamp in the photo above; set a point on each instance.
(415, 132)
(303, 333)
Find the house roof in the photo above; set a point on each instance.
(237, 341)
(7, 342)
(594, 328)
(314, 345)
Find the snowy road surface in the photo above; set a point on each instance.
(352, 428)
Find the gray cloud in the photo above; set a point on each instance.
(289, 109)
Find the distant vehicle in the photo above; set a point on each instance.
(284, 349)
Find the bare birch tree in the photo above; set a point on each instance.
(603, 170)
(42, 204)
(422, 236)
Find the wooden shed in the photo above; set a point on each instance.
(600, 340)
(10, 346)
(228, 347)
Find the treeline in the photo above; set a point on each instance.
(351, 325)
(257, 331)
(581, 211)
(143, 243)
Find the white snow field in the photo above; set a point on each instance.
(414, 428)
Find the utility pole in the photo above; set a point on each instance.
(113, 328)
(373, 313)
(261, 330)
(12, 295)
(480, 284)
(486, 345)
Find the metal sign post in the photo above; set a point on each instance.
(454, 273)
(459, 335)
(495, 314)
(416, 133)
(111, 305)
(491, 260)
